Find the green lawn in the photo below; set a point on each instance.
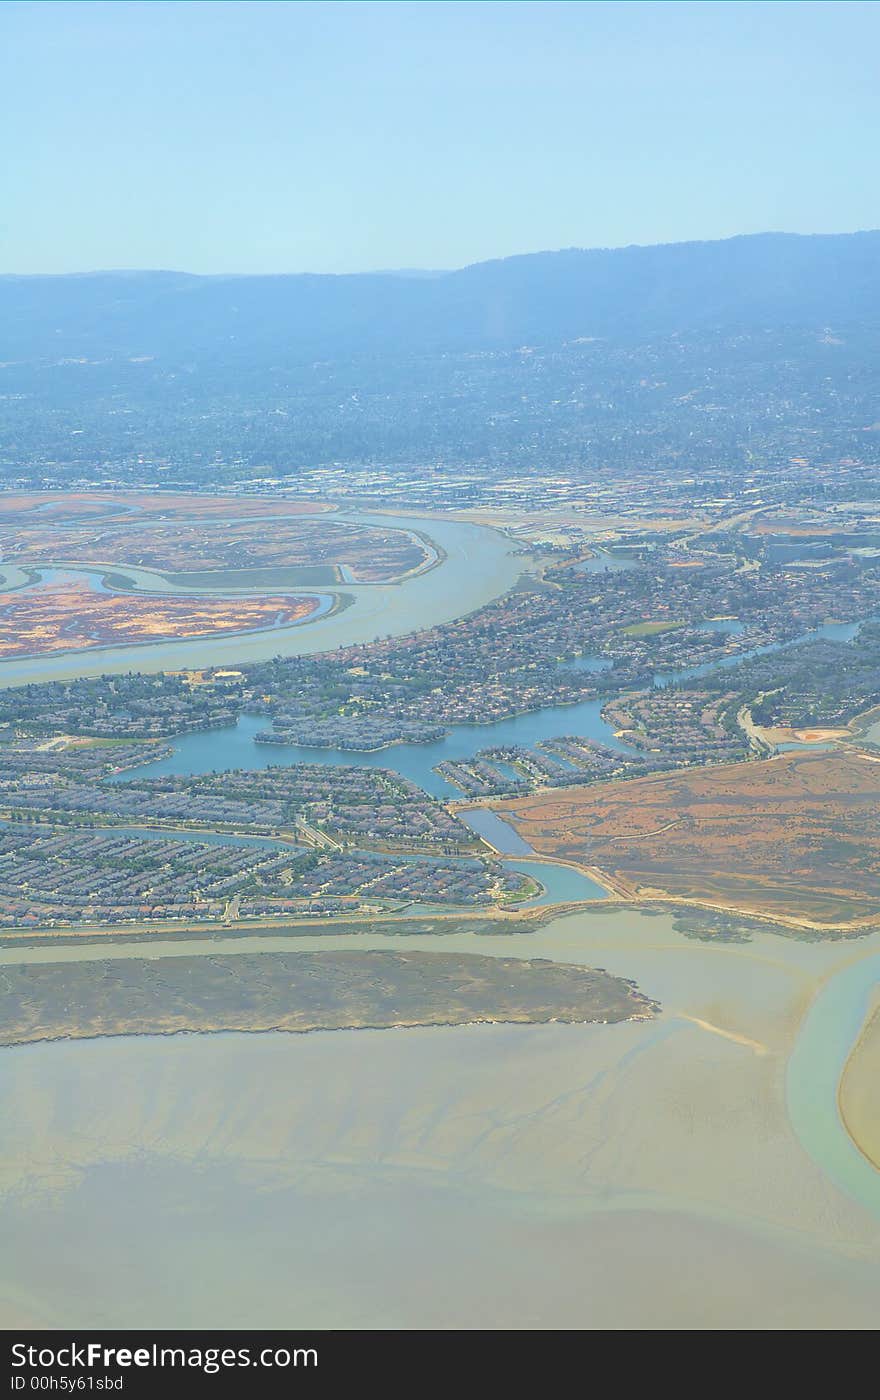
(650, 629)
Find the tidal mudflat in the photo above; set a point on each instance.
(633, 1175)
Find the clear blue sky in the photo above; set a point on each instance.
(329, 137)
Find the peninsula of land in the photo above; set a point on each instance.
(303, 992)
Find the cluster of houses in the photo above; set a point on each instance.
(52, 877)
(681, 726)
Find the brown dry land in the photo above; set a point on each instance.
(795, 838)
(44, 506)
(371, 554)
(781, 735)
(71, 616)
(302, 992)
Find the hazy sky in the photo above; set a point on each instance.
(343, 136)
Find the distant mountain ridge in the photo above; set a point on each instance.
(625, 294)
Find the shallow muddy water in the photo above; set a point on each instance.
(639, 1175)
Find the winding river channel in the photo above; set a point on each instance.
(475, 565)
(688, 1171)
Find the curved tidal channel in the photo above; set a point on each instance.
(476, 564)
(829, 1033)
